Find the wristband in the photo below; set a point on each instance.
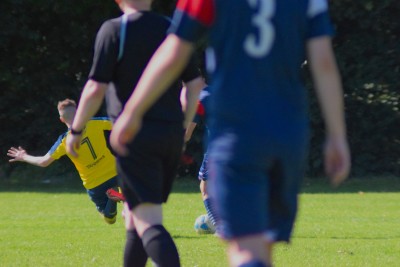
(73, 132)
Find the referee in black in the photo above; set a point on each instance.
(122, 50)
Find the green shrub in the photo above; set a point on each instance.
(46, 50)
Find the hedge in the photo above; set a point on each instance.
(47, 46)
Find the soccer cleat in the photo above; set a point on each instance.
(115, 195)
(110, 220)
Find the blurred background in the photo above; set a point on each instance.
(46, 48)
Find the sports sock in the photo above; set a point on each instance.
(111, 209)
(134, 254)
(208, 204)
(160, 247)
(254, 263)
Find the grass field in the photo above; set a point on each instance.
(356, 225)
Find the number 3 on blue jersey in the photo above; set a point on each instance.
(260, 47)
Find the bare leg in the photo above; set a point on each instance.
(250, 248)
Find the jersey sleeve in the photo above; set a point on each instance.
(105, 53)
(201, 108)
(318, 19)
(58, 149)
(200, 112)
(192, 19)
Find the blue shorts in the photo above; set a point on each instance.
(203, 172)
(255, 181)
(100, 199)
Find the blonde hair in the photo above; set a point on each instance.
(66, 109)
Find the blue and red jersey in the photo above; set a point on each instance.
(256, 48)
(201, 108)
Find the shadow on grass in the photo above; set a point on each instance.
(318, 185)
(42, 188)
(71, 183)
(189, 236)
(385, 184)
(347, 237)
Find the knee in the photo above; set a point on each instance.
(145, 216)
(249, 250)
(203, 189)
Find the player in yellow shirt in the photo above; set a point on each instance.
(96, 165)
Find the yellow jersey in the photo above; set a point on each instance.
(95, 163)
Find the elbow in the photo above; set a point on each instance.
(196, 85)
(44, 164)
(327, 64)
(94, 89)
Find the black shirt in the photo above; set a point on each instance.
(144, 33)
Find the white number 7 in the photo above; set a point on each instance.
(259, 47)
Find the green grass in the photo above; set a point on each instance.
(356, 225)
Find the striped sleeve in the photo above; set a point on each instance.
(200, 112)
(201, 108)
(192, 19)
(58, 149)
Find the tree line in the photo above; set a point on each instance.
(47, 47)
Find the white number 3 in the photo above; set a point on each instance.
(259, 47)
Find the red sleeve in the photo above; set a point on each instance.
(200, 109)
(201, 10)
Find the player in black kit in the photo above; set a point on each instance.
(123, 48)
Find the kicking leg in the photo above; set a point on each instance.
(208, 203)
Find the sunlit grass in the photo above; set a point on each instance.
(356, 225)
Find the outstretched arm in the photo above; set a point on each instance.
(330, 95)
(164, 67)
(19, 154)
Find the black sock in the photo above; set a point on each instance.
(160, 247)
(111, 209)
(134, 254)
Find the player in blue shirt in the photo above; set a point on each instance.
(203, 172)
(257, 112)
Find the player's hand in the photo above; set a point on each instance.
(123, 132)
(73, 143)
(337, 160)
(17, 154)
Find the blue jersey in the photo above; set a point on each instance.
(256, 48)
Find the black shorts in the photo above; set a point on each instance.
(147, 173)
